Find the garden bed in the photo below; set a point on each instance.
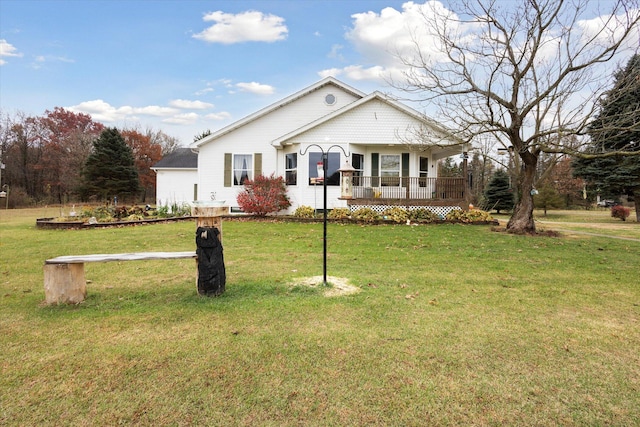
(56, 224)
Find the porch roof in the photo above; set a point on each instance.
(446, 149)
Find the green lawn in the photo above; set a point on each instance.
(453, 325)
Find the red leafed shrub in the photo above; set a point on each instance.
(620, 211)
(264, 195)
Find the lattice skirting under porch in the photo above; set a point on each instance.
(441, 211)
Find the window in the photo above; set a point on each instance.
(291, 168)
(333, 165)
(242, 168)
(424, 171)
(330, 99)
(390, 169)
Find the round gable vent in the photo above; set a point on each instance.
(330, 99)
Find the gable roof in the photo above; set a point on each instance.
(181, 158)
(369, 98)
(260, 113)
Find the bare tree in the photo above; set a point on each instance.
(167, 142)
(526, 73)
(21, 152)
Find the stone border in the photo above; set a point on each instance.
(51, 224)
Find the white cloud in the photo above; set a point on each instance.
(380, 38)
(335, 52)
(243, 27)
(357, 72)
(330, 72)
(182, 119)
(607, 28)
(154, 110)
(204, 91)
(190, 105)
(256, 88)
(7, 49)
(102, 111)
(218, 116)
(40, 60)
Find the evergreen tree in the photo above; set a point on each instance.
(110, 170)
(448, 168)
(616, 128)
(499, 194)
(547, 198)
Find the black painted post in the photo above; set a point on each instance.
(325, 157)
(325, 161)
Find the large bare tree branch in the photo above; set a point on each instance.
(529, 73)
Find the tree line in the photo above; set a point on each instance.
(60, 157)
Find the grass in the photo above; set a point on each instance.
(597, 221)
(454, 325)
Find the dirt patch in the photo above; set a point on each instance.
(538, 232)
(338, 286)
(622, 225)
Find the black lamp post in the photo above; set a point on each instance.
(325, 158)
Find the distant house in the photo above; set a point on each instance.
(176, 178)
(372, 132)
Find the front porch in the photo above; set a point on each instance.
(437, 194)
(410, 190)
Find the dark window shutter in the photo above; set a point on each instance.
(404, 165)
(375, 168)
(227, 169)
(257, 165)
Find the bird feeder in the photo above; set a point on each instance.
(346, 181)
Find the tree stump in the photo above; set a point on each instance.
(211, 270)
(64, 283)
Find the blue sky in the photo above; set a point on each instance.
(163, 64)
(187, 66)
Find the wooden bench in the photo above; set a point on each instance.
(64, 280)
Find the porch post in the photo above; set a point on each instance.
(465, 180)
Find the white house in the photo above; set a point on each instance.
(177, 178)
(374, 133)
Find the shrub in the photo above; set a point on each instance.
(366, 215)
(395, 214)
(339, 213)
(135, 217)
(104, 213)
(183, 209)
(162, 211)
(620, 211)
(472, 215)
(305, 212)
(423, 215)
(264, 195)
(17, 198)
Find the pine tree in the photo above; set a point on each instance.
(616, 128)
(499, 194)
(547, 198)
(110, 170)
